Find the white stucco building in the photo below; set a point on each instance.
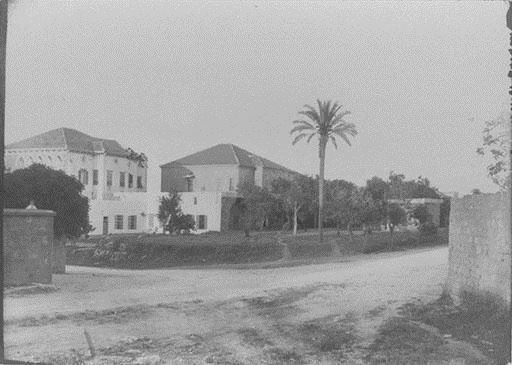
(114, 178)
(207, 182)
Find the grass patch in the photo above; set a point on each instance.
(475, 332)
(325, 336)
(401, 342)
(482, 320)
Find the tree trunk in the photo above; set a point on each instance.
(322, 145)
(295, 209)
(391, 229)
(350, 233)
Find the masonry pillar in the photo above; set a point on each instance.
(28, 246)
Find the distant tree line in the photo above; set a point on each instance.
(293, 204)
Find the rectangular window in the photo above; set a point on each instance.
(195, 201)
(121, 179)
(139, 182)
(130, 180)
(132, 222)
(83, 176)
(190, 185)
(109, 177)
(119, 222)
(230, 184)
(201, 222)
(95, 177)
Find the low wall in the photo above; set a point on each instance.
(479, 241)
(28, 243)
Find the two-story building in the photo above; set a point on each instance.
(208, 180)
(114, 178)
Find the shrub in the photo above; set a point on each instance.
(421, 213)
(156, 251)
(428, 228)
(171, 216)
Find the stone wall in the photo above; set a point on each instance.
(28, 243)
(480, 248)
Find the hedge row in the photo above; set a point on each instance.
(159, 251)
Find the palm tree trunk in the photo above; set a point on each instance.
(322, 145)
(295, 219)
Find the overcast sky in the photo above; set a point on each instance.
(171, 78)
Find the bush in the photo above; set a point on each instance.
(158, 251)
(428, 229)
(172, 217)
(421, 213)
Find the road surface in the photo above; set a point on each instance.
(166, 303)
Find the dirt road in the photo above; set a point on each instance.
(238, 316)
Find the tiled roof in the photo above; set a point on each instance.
(226, 154)
(71, 140)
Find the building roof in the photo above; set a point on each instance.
(72, 140)
(226, 154)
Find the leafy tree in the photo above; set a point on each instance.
(378, 188)
(420, 212)
(496, 146)
(400, 188)
(52, 190)
(258, 204)
(357, 208)
(396, 215)
(421, 188)
(171, 216)
(326, 124)
(296, 194)
(396, 185)
(379, 191)
(338, 202)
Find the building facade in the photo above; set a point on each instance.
(109, 173)
(208, 181)
(115, 180)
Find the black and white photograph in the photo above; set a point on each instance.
(246, 182)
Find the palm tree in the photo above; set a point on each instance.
(326, 123)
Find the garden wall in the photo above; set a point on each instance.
(28, 244)
(479, 241)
